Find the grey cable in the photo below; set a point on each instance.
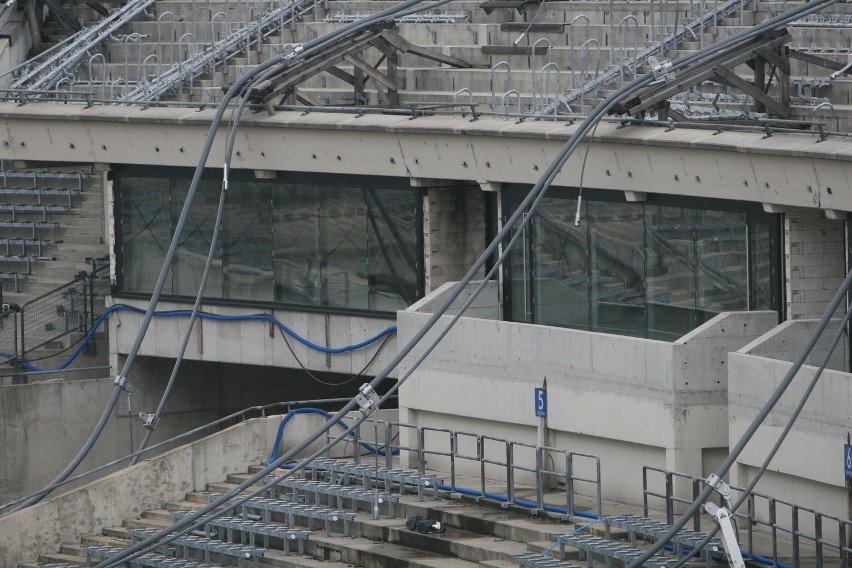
(229, 145)
(311, 46)
(781, 437)
(534, 196)
(149, 430)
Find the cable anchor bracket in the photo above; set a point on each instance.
(149, 421)
(722, 517)
(368, 399)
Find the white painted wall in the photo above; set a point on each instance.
(666, 402)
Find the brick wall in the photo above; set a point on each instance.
(454, 233)
(815, 259)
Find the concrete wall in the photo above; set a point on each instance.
(453, 232)
(253, 342)
(666, 402)
(129, 492)
(485, 306)
(808, 469)
(13, 49)
(786, 341)
(45, 424)
(126, 493)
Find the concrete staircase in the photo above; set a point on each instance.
(484, 37)
(55, 221)
(479, 533)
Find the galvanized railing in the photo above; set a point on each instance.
(506, 470)
(72, 307)
(8, 335)
(799, 526)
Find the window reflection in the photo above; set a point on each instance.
(643, 269)
(247, 242)
(561, 267)
(299, 240)
(146, 231)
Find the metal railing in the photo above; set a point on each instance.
(529, 475)
(71, 307)
(8, 335)
(780, 519)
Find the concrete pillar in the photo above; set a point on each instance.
(815, 262)
(453, 232)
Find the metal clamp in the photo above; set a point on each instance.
(719, 486)
(368, 399)
(121, 381)
(149, 421)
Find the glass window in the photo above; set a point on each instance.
(145, 231)
(655, 270)
(617, 266)
(247, 242)
(194, 245)
(304, 240)
(721, 256)
(344, 247)
(670, 247)
(561, 266)
(392, 240)
(295, 230)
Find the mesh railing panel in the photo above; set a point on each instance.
(8, 336)
(54, 314)
(99, 289)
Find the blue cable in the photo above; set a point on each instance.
(476, 493)
(309, 410)
(204, 315)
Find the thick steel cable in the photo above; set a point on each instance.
(149, 428)
(311, 46)
(229, 145)
(841, 330)
(534, 196)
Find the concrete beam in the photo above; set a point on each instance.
(490, 186)
(742, 165)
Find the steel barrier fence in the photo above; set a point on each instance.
(71, 307)
(504, 468)
(8, 335)
(781, 519)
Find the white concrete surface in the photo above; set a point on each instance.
(631, 401)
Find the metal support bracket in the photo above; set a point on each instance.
(719, 486)
(149, 421)
(722, 517)
(368, 399)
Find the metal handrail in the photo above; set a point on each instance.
(675, 39)
(776, 524)
(226, 48)
(263, 410)
(47, 74)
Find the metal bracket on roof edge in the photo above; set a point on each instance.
(368, 399)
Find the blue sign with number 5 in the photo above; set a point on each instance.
(541, 402)
(847, 459)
